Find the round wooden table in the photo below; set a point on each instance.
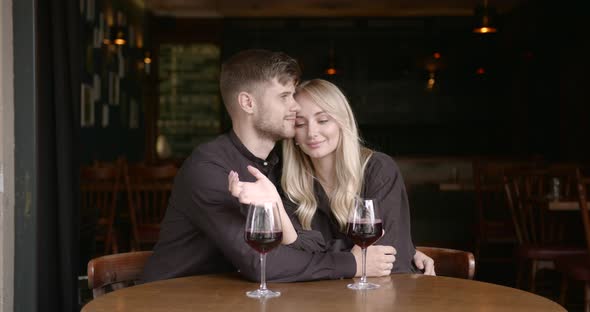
(400, 292)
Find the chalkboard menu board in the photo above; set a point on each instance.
(189, 104)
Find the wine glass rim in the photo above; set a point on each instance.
(364, 202)
(263, 203)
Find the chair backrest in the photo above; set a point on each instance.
(99, 190)
(494, 218)
(112, 272)
(488, 182)
(451, 262)
(528, 192)
(148, 190)
(583, 186)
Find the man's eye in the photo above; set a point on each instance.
(299, 125)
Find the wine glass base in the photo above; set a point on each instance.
(266, 293)
(362, 286)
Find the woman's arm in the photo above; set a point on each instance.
(384, 183)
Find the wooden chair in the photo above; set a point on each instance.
(148, 191)
(495, 229)
(100, 187)
(451, 262)
(578, 267)
(112, 272)
(540, 234)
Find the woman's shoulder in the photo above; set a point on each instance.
(381, 161)
(381, 167)
(381, 172)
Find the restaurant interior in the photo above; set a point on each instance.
(467, 96)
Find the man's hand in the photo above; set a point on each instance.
(261, 191)
(249, 192)
(424, 262)
(380, 260)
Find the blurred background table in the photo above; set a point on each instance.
(456, 186)
(564, 205)
(403, 292)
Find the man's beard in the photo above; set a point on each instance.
(268, 127)
(268, 130)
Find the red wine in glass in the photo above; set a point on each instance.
(263, 232)
(365, 232)
(364, 227)
(263, 242)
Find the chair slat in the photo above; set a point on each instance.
(149, 189)
(99, 189)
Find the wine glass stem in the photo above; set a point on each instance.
(263, 271)
(364, 277)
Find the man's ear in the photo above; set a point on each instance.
(246, 102)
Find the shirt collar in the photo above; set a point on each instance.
(271, 160)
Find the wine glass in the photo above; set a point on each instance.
(263, 233)
(364, 227)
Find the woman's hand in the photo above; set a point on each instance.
(424, 262)
(380, 260)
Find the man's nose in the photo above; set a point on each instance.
(295, 107)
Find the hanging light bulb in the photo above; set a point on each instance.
(120, 37)
(431, 81)
(119, 30)
(331, 70)
(485, 18)
(433, 64)
(147, 61)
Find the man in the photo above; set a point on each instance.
(203, 229)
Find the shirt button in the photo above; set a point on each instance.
(266, 163)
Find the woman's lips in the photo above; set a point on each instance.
(315, 144)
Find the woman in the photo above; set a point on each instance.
(325, 166)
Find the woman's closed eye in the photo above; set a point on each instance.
(300, 122)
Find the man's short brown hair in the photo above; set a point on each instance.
(247, 70)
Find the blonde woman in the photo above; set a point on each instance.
(324, 167)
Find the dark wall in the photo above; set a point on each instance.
(548, 58)
(529, 100)
(383, 66)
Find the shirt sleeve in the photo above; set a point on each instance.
(384, 183)
(307, 240)
(204, 197)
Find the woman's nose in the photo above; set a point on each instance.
(311, 131)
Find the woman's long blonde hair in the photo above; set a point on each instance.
(351, 158)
